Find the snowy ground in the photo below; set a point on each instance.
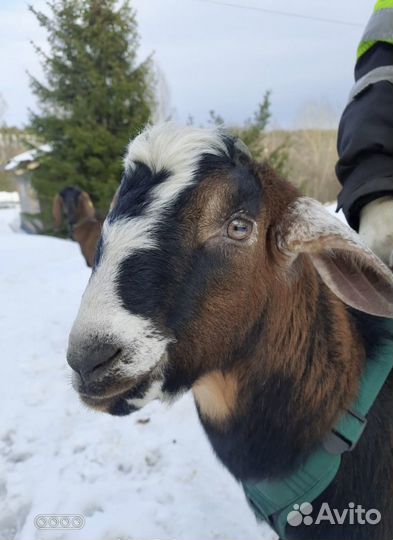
(129, 479)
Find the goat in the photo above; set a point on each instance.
(215, 275)
(75, 204)
(83, 224)
(87, 233)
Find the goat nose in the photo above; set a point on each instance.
(84, 359)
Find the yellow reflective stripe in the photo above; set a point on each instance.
(383, 4)
(379, 28)
(366, 45)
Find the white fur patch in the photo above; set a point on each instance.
(154, 392)
(174, 148)
(307, 220)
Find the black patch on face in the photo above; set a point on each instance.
(141, 280)
(135, 193)
(200, 267)
(98, 254)
(143, 277)
(247, 192)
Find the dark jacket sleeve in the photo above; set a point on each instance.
(365, 138)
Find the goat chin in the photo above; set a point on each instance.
(129, 401)
(120, 395)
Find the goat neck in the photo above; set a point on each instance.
(269, 410)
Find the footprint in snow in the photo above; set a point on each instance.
(153, 458)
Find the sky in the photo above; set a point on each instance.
(218, 56)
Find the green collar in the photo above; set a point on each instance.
(273, 500)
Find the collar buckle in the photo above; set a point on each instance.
(345, 436)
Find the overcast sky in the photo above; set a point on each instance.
(216, 56)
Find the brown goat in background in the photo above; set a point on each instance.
(83, 224)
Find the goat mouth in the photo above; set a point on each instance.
(118, 401)
(116, 406)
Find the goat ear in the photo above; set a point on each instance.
(57, 210)
(87, 205)
(351, 270)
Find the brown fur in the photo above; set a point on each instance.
(87, 229)
(288, 300)
(85, 208)
(57, 210)
(87, 234)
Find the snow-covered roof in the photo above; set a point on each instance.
(28, 156)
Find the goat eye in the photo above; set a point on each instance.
(239, 229)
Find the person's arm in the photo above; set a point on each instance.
(376, 227)
(365, 139)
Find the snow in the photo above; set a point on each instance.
(130, 479)
(29, 155)
(8, 198)
(9, 221)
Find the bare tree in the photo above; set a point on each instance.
(3, 108)
(164, 110)
(11, 143)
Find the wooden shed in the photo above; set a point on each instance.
(22, 166)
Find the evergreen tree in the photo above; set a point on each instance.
(253, 134)
(94, 99)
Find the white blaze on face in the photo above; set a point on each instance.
(165, 147)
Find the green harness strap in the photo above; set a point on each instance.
(273, 500)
